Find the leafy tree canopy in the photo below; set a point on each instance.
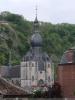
(15, 35)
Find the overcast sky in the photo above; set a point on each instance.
(54, 11)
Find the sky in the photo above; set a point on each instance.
(54, 11)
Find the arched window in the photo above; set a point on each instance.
(26, 64)
(32, 78)
(48, 65)
(48, 78)
(32, 64)
(47, 58)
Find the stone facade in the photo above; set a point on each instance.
(12, 74)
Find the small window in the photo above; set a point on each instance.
(32, 78)
(40, 72)
(49, 78)
(26, 64)
(31, 57)
(32, 64)
(47, 58)
(12, 81)
(48, 65)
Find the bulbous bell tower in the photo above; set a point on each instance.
(36, 67)
(36, 39)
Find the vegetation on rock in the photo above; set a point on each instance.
(15, 33)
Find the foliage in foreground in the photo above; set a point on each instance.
(53, 92)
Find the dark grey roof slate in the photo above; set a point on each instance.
(4, 71)
(37, 55)
(36, 40)
(14, 72)
(10, 72)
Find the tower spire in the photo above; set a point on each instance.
(36, 23)
(36, 11)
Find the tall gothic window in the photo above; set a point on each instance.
(32, 78)
(26, 64)
(32, 64)
(48, 65)
(48, 78)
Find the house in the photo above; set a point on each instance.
(66, 73)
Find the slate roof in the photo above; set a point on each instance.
(10, 72)
(14, 72)
(36, 53)
(7, 88)
(4, 71)
(36, 39)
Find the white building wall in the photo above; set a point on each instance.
(33, 73)
(49, 73)
(30, 69)
(25, 74)
(23, 83)
(23, 64)
(52, 67)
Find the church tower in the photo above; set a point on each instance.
(36, 66)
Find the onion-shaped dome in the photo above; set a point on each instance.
(68, 57)
(36, 40)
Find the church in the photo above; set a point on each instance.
(37, 69)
